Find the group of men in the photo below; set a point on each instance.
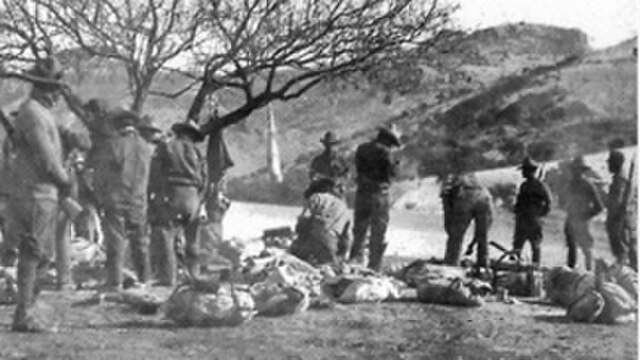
(147, 188)
(326, 232)
(324, 227)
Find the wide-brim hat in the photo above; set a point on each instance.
(46, 71)
(390, 132)
(122, 118)
(528, 164)
(190, 128)
(578, 163)
(329, 138)
(146, 123)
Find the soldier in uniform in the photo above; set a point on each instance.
(33, 204)
(330, 164)
(582, 202)
(464, 200)
(619, 223)
(122, 176)
(532, 203)
(375, 167)
(179, 177)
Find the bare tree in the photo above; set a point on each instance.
(279, 49)
(142, 35)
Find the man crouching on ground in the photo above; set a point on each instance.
(324, 229)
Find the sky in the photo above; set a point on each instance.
(606, 22)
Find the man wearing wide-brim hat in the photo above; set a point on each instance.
(376, 166)
(533, 202)
(178, 180)
(582, 202)
(621, 222)
(330, 164)
(42, 180)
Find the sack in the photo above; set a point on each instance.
(565, 286)
(448, 292)
(624, 276)
(587, 308)
(421, 271)
(617, 303)
(229, 305)
(368, 289)
(278, 300)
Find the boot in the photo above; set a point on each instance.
(375, 257)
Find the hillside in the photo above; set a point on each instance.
(478, 103)
(507, 90)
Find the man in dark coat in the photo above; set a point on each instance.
(33, 203)
(121, 179)
(532, 203)
(375, 167)
(178, 178)
(582, 202)
(620, 222)
(465, 200)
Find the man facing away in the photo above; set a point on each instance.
(178, 179)
(42, 179)
(375, 167)
(465, 200)
(122, 176)
(532, 203)
(582, 202)
(619, 223)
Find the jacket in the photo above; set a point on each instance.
(375, 166)
(328, 165)
(533, 199)
(177, 162)
(122, 172)
(38, 166)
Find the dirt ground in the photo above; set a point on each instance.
(394, 330)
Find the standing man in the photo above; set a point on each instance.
(464, 200)
(375, 167)
(532, 203)
(122, 176)
(33, 201)
(330, 164)
(179, 177)
(582, 202)
(620, 226)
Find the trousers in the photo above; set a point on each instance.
(371, 214)
(126, 227)
(33, 221)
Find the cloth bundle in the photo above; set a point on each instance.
(450, 292)
(228, 305)
(275, 299)
(601, 298)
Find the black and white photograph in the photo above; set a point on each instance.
(318, 179)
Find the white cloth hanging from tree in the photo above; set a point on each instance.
(273, 152)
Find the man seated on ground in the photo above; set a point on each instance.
(324, 228)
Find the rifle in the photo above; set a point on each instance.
(626, 197)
